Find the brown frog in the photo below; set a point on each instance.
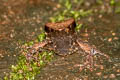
(63, 37)
(65, 40)
(60, 39)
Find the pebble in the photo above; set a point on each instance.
(14, 55)
(76, 48)
(113, 34)
(100, 16)
(112, 76)
(105, 76)
(58, 6)
(110, 39)
(87, 4)
(85, 35)
(95, 10)
(101, 67)
(116, 38)
(99, 73)
(118, 74)
(86, 78)
(118, 70)
(8, 55)
(90, 19)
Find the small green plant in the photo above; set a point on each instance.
(68, 4)
(78, 27)
(117, 10)
(99, 2)
(112, 2)
(76, 1)
(80, 13)
(69, 12)
(25, 70)
(117, 7)
(57, 18)
(41, 37)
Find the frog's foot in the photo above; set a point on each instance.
(89, 63)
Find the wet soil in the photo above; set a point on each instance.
(22, 21)
(105, 36)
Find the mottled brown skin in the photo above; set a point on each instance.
(61, 35)
(90, 49)
(64, 45)
(36, 46)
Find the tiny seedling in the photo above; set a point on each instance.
(78, 27)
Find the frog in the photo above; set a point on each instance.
(63, 40)
(60, 38)
(63, 36)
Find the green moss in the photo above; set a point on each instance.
(112, 2)
(41, 37)
(100, 2)
(70, 12)
(78, 27)
(117, 7)
(27, 69)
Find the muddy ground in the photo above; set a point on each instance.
(22, 21)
